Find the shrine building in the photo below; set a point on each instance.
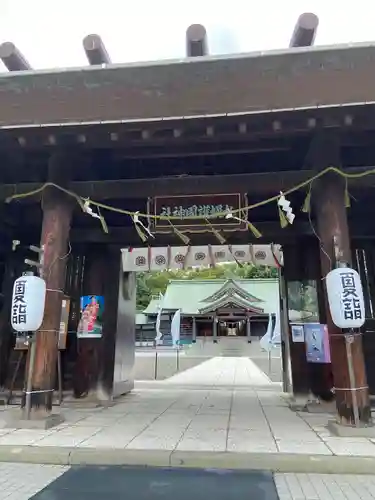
(212, 310)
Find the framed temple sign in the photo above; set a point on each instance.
(191, 212)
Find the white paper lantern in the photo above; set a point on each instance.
(28, 301)
(345, 298)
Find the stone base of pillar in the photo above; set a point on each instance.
(18, 420)
(350, 431)
(321, 407)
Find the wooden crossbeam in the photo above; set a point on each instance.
(13, 58)
(95, 50)
(305, 30)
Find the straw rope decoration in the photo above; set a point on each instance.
(236, 213)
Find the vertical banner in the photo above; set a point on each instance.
(266, 340)
(175, 328)
(91, 322)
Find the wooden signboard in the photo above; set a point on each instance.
(192, 212)
(22, 339)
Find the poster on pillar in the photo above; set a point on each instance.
(91, 321)
(317, 343)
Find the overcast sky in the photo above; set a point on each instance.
(50, 32)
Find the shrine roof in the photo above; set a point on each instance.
(259, 82)
(191, 296)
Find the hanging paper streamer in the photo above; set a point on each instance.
(286, 213)
(143, 231)
(283, 219)
(89, 211)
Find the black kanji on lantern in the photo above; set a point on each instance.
(349, 297)
(19, 306)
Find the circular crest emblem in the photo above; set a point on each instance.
(200, 256)
(260, 255)
(240, 254)
(179, 258)
(160, 260)
(220, 255)
(140, 261)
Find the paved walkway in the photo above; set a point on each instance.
(23, 481)
(237, 420)
(222, 372)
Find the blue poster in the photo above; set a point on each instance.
(317, 344)
(91, 321)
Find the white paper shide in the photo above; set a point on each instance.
(345, 298)
(29, 295)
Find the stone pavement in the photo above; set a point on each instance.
(23, 481)
(237, 420)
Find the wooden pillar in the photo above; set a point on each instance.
(214, 329)
(295, 271)
(87, 365)
(332, 224)
(57, 212)
(194, 331)
(248, 329)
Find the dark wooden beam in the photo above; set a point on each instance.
(305, 30)
(95, 50)
(127, 236)
(12, 57)
(257, 183)
(196, 41)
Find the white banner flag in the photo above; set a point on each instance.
(175, 327)
(276, 334)
(266, 341)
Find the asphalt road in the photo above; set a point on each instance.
(115, 483)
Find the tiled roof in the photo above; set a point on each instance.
(191, 295)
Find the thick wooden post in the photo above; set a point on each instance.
(332, 224)
(87, 364)
(57, 213)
